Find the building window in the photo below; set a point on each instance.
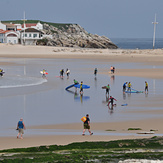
(25, 35)
(34, 35)
(29, 35)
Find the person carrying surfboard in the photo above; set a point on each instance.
(146, 87)
(111, 100)
(107, 89)
(129, 86)
(81, 88)
(43, 73)
(67, 73)
(87, 125)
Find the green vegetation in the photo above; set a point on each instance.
(110, 130)
(134, 129)
(57, 25)
(42, 41)
(111, 151)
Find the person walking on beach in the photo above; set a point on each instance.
(61, 73)
(129, 86)
(111, 101)
(81, 88)
(111, 69)
(146, 87)
(68, 73)
(107, 89)
(87, 125)
(20, 128)
(124, 86)
(95, 72)
(76, 82)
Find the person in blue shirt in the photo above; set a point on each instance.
(20, 128)
(124, 86)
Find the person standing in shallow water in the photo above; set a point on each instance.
(20, 128)
(81, 88)
(146, 87)
(95, 72)
(87, 125)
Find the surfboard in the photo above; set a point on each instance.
(70, 86)
(43, 72)
(84, 86)
(133, 91)
(124, 104)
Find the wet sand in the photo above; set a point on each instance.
(146, 57)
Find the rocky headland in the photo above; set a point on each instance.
(73, 35)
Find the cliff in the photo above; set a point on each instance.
(73, 35)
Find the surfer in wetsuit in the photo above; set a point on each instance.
(111, 101)
(146, 87)
(81, 88)
(61, 73)
(1, 72)
(124, 86)
(68, 73)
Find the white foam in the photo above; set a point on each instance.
(20, 81)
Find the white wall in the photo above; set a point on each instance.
(13, 40)
(2, 26)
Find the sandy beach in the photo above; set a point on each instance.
(142, 57)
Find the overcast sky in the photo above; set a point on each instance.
(112, 18)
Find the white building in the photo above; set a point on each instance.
(12, 33)
(2, 26)
(30, 36)
(37, 26)
(9, 37)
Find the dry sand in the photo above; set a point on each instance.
(150, 57)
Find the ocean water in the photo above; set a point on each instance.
(140, 43)
(23, 93)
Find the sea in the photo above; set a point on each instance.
(137, 43)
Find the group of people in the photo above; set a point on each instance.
(128, 86)
(67, 73)
(81, 86)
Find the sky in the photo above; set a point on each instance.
(112, 18)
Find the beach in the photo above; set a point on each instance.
(130, 64)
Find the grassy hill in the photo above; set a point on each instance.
(57, 25)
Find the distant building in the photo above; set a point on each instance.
(37, 26)
(9, 36)
(14, 33)
(31, 36)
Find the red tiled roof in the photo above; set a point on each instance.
(2, 31)
(29, 25)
